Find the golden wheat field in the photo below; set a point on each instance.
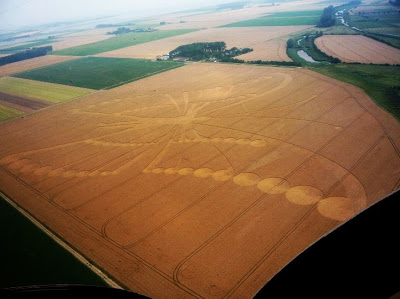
(257, 38)
(206, 180)
(358, 48)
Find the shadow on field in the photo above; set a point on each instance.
(66, 291)
(360, 259)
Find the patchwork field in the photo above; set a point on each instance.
(81, 38)
(25, 65)
(217, 18)
(8, 112)
(25, 46)
(22, 103)
(358, 48)
(206, 180)
(120, 41)
(53, 93)
(253, 37)
(98, 72)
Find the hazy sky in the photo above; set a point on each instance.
(17, 13)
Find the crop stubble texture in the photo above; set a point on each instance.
(358, 48)
(204, 180)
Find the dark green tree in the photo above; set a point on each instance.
(328, 17)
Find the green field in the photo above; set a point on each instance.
(30, 257)
(339, 30)
(368, 22)
(42, 91)
(381, 83)
(303, 13)
(98, 72)
(282, 19)
(11, 50)
(120, 41)
(8, 113)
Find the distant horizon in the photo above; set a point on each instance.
(20, 14)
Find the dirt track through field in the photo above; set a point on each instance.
(22, 103)
(206, 180)
(358, 48)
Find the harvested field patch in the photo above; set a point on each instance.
(274, 50)
(190, 183)
(98, 72)
(8, 112)
(22, 103)
(358, 48)
(53, 93)
(256, 38)
(120, 41)
(29, 64)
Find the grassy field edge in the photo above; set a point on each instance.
(89, 273)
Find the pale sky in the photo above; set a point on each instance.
(17, 13)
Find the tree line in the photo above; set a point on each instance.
(328, 18)
(211, 50)
(34, 52)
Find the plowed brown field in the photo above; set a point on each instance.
(358, 48)
(33, 63)
(241, 37)
(206, 180)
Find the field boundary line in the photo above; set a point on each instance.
(60, 242)
(141, 77)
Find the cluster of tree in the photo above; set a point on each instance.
(328, 18)
(112, 25)
(215, 51)
(35, 52)
(331, 59)
(290, 43)
(123, 30)
(394, 92)
(312, 49)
